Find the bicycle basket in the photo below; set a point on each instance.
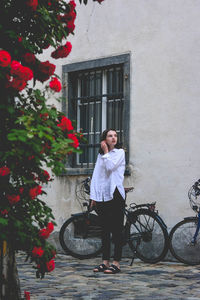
(194, 196)
(87, 227)
(79, 227)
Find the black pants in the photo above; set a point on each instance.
(111, 215)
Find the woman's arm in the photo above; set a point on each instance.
(111, 162)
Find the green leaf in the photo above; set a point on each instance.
(3, 221)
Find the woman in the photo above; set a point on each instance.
(108, 196)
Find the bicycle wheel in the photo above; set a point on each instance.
(147, 235)
(80, 236)
(180, 242)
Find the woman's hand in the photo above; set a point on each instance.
(104, 147)
(92, 204)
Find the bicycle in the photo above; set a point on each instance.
(144, 231)
(184, 239)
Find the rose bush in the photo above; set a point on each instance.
(34, 135)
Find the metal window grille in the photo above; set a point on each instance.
(99, 102)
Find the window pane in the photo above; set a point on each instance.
(90, 116)
(115, 98)
(99, 98)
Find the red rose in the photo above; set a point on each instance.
(68, 47)
(5, 58)
(15, 68)
(46, 69)
(29, 58)
(19, 39)
(34, 192)
(62, 51)
(17, 84)
(65, 124)
(72, 4)
(13, 199)
(71, 16)
(50, 227)
(75, 143)
(46, 175)
(32, 3)
(27, 295)
(50, 265)
(4, 171)
(44, 233)
(37, 251)
(25, 73)
(44, 116)
(55, 85)
(70, 26)
(4, 212)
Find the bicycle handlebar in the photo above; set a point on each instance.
(196, 185)
(87, 180)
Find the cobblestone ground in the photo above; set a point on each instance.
(74, 279)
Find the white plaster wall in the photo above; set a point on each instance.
(163, 37)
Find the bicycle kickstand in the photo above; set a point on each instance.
(135, 252)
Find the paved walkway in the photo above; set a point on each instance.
(74, 279)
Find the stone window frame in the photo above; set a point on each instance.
(67, 108)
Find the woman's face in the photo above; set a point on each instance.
(111, 138)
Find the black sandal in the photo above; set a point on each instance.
(100, 268)
(114, 269)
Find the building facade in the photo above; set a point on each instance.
(135, 66)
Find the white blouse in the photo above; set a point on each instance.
(108, 174)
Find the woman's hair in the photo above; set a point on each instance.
(103, 137)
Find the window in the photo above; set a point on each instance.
(98, 98)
